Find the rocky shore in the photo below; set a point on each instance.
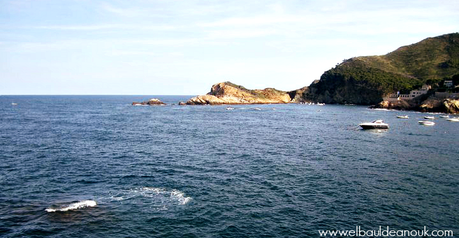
(431, 104)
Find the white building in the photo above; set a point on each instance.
(411, 95)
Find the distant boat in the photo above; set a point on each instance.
(230, 108)
(320, 104)
(454, 119)
(377, 124)
(426, 123)
(257, 109)
(429, 117)
(403, 117)
(444, 116)
(14, 104)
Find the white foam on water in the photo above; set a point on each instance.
(173, 195)
(73, 206)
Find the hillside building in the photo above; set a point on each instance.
(413, 94)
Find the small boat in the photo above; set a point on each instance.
(14, 104)
(230, 108)
(320, 104)
(444, 116)
(426, 123)
(429, 117)
(454, 119)
(257, 109)
(403, 117)
(377, 124)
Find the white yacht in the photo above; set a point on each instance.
(377, 124)
(426, 123)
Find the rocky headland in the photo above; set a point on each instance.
(367, 80)
(229, 93)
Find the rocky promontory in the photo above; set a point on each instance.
(229, 93)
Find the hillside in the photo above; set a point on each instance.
(365, 80)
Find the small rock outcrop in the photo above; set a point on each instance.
(229, 93)
(151, 102)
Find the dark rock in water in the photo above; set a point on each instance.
(151, 102)
(182, 103)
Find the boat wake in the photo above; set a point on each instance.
(71, 206)
(159, 196)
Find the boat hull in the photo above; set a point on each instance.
(369, 127)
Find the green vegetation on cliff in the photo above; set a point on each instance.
(365, 80)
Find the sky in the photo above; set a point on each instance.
(183, 47)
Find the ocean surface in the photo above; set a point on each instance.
(95, 166)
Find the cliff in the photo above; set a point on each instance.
(365, 80)
(229, 93)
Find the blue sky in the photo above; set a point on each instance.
(182, 47)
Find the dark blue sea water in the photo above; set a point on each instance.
(203, 171)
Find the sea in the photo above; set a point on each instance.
(96, 166)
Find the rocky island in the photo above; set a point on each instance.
(229, 93)
(151, 102)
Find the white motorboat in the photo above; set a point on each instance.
(429, 117)
(14, 104)
(454, 119)
(403, 117)
(377, 124)
(444, 116)
(230, 108)
(426, 123)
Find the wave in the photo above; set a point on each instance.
(72, 206)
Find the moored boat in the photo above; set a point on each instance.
(377, 124)
(454, 119)
(426, 123)
(429, 117)
(403, 117)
